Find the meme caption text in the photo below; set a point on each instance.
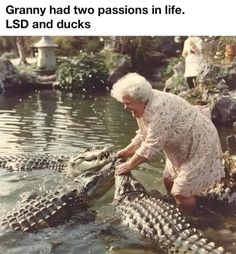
(76, 17)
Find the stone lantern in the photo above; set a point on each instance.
(46, 59)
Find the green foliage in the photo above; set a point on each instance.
(67, 45)
(178, 82)
(139, 49)
(167, 71)
(7, 43)
(110, 58)
(70, 46)
(214, 49)
(87, 71)
(28, 68)
(26, 79)
(9, 55)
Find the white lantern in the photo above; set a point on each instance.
(46, 59)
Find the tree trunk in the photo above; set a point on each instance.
(20, 43)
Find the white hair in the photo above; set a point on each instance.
(133, 85)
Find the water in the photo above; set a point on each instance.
(57, 123)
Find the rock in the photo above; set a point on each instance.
(221, 86)
(155, 59)
(209, 74)
(224, 109)
(214, 74)
(230, 76)
(8, 73)
(10, 78)
(169, 47)
(176, 83)
(225, 235)
(231, 144)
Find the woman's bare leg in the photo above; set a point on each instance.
(187, 204)
(168, 184)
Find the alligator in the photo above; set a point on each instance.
(221, 197)
(157, 221)
(88, 159)
(52, 209)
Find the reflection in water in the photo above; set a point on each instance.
(50, 121)
(54, 122)
(58, 123)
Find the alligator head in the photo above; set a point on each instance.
(89, 159)
(127, 186)
(96, 183)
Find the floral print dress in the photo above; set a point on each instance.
(187, 137)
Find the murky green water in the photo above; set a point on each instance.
(52, 122)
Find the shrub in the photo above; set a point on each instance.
(9, 55)
(87, 71)
(167, 71)
(214, 50)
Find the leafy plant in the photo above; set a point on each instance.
(87, 71)
(214, 50)
(9, 55)
(167, 71)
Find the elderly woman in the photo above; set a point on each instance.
(169, 123)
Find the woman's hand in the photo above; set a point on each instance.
(127, 151)
(124, 153)
(123, 168)
(133, 162)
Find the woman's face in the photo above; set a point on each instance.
(134, 106)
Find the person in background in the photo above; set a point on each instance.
(169, 123)
(192, 52)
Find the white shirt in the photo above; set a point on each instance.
(192, 52)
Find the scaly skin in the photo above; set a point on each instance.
(28, 162)
(55, 208)
(157, 221)
(87, 159)
(221, 197)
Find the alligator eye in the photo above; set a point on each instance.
(92, 183)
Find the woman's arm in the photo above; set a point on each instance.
(133, 162)
(128, 150)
